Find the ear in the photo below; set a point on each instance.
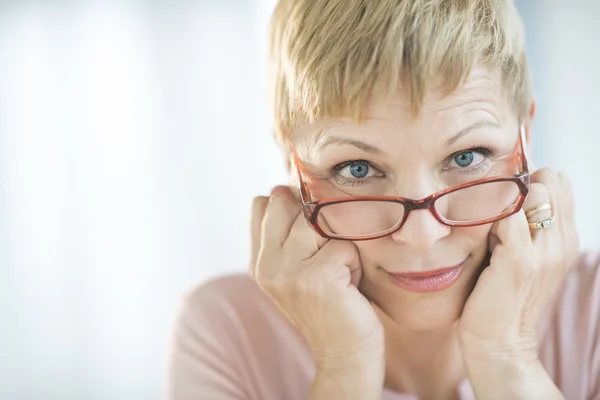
(528, 123)
(292, 173)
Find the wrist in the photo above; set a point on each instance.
(353, 366)
(502, 378)
(352, 358)
(348, 379)
(502, 350)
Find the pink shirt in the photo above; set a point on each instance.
(231, 342)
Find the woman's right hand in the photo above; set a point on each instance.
(314, 282)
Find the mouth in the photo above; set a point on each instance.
(428, 281)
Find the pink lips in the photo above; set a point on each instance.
(428, 281)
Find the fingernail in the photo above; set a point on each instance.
(279, 189)
(493, 241)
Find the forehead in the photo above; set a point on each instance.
(482, 94)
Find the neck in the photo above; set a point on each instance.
(426, 363)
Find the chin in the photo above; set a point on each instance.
(421, 311)
(425, 314)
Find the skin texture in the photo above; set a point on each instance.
(482, 325)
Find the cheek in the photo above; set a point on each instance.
(474, 239)
(476, 243)
(370, 252)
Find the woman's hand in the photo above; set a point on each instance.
(314, 283)
(497, 329)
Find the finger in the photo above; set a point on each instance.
(259, 206)
(539, 196)
(280, 214)
(303, 240)
(568, 201)
(509, 260)
(335, 253)
(566, 230)
(571, 239)
(553, 184)
(568, 209)
(512, 231)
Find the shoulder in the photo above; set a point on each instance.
(577, 299)
(228, 329)
(232, 305)
(570, 334)
(225, 291)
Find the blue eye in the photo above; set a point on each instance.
(356, 173)
(464, 159)
(359, 169)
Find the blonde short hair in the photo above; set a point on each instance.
(327, 55)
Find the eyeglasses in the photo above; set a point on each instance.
(474, 203)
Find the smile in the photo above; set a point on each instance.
(428, 281)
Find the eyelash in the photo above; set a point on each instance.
(352, 182)
(483, 150)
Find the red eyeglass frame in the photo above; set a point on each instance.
(311, 208)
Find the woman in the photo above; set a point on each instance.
(422, 256)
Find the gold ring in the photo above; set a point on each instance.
(538, 209)
(547, 223)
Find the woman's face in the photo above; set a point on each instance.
(465, 136)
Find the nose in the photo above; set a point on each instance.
(421, 231)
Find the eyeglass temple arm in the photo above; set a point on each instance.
(302, 185)
(523, 155)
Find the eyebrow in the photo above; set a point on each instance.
(325, 141)
(469, 129)
(330, 140)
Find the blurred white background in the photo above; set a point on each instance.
(133, 136)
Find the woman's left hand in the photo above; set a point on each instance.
(497, 329)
